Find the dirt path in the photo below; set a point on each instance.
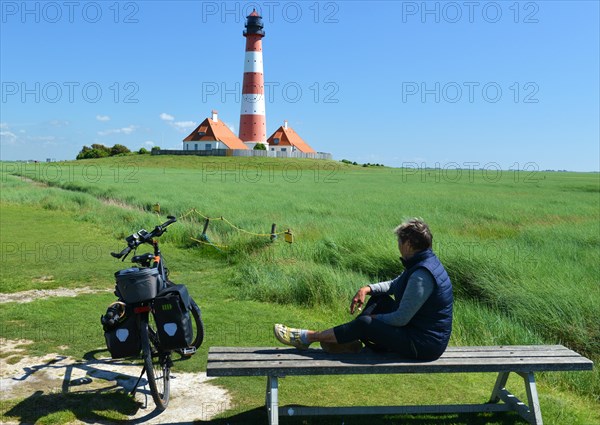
(34, 294)
(193, 397)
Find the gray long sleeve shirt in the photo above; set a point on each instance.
(419, 287)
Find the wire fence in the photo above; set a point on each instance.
(204, 238)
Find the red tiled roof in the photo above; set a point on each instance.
(283, 141)
(288, 137)
(215, 131)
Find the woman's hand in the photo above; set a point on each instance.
(359, 298)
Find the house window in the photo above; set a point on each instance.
(195, 146)
(275, 141)
(283, 149)
(208, 146)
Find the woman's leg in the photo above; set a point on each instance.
(377, 335)
(348, 333)
(374, 333)
(376, 305)
(379, 304)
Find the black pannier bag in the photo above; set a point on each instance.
(123, 339)
(173, 318)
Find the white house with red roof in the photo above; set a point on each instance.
(285, 139)
(212, 134)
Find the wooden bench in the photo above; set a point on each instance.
(280, 362)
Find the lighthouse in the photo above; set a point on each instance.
(253, 125)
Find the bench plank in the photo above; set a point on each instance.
(319, 354)
(336, 367)
(280, 361)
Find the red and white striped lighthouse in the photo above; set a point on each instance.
(253, 123)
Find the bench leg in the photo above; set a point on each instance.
(532, 413)
(272, 400)
(535, 412)
(500, 384)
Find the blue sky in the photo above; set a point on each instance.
(495, 84)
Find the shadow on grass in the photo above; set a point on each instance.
(109, 403)
(259, 416)
(85, 406)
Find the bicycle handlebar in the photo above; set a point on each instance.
(141, 237)
(162, 228)
(125, 252)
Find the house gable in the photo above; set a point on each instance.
(215, 130)
(288, 137)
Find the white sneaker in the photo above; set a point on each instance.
(289, 336)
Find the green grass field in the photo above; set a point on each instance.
(522, 250)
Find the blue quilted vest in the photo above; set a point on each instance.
(431, 326)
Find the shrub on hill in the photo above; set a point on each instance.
(88, 153)
(346, 161)
(101, 151)
(118, 150)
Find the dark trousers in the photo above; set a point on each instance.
(374, 333)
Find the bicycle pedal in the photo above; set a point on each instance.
(81, 381)
(188, 351)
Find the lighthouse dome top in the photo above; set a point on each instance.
(254, 25)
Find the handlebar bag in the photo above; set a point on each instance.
(171, 311)
(124, 339)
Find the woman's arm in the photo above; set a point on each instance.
(382, 287)
(359, 298)
(418, 288)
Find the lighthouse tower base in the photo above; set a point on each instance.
(251, 145)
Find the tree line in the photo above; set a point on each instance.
(101, 151)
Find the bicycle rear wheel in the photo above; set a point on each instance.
(156, 362)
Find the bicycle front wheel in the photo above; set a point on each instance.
(156, 362)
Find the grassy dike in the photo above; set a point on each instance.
(522, 249)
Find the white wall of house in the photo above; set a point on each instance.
(276, 148)
(201, 146)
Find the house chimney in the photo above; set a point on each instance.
(215, 118)
(285, 124)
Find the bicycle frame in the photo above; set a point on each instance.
(158, 372)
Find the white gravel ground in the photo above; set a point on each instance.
(193, 397)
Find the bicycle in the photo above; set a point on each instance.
(139, 296)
